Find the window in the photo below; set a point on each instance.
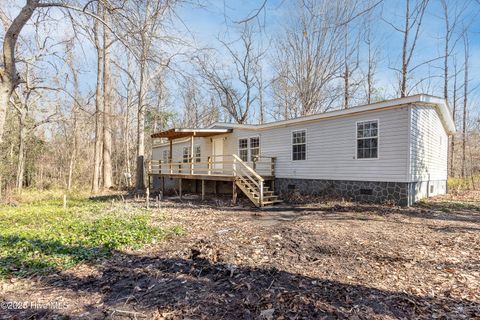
(166, 156)
(367, 139)
(299, 145)
(198, 154)
(254, 148)
(243, 149)
(186, 154)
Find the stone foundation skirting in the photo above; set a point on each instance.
(368, 191)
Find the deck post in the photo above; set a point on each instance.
(163, 184)
(273, 167)
(261, 194)
(191, 155)
(234, 192)
(170, 154)
(203, 189)
(209, 160)
(180, 188)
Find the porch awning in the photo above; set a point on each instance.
(178, 133)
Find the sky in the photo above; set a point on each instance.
(202, 23)
(217, 20)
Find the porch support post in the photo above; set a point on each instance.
(191, 154)
(234, 192)
(180, 188)
(203, 189)
(170, 156)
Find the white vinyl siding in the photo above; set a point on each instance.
(331, 149)
(331, 146)
(429, 146)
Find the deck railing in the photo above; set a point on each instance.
(218, 165)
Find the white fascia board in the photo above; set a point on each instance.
(421, 99)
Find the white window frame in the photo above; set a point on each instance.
(198, 158)
(378, 140)
(247, 148)
(167, 154)
(291, 144)
(250, 147)
(189, 156)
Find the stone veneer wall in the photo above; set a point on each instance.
(369, 191)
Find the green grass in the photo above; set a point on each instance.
(39, 236)
(459, 183)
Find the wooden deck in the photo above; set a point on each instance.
(250, 178)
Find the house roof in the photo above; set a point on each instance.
(177, 133)
(420, 99)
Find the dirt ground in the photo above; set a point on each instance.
(318, 261)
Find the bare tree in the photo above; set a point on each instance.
(308, 57)
(143, 28)
(236, 100)
(454, 115)
(9, 77)
(410, 32)
(107, 108)
(98, 108)
(372, 57)
(73, 137)
(466, 46)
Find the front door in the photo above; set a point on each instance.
(217, 155)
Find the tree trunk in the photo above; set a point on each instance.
(126, 136)
(21, 152)
(403, 86)
(107, 110)
(140, 180)
(5, 93)
(8, 74)
(454, 115)
(98, 113)
(71, 166)
(465, 103)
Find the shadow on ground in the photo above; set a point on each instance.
(133, 286)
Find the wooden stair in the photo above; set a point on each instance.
(252, 184)
(253, 193)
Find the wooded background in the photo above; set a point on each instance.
(83, 84)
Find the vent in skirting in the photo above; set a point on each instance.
(367, 192)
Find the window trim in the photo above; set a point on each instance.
(166, 152)
(356, 140)
(306, 144)
(189, 156)
(247, 148)
(250, 147)
(194, 157)
(249, 153)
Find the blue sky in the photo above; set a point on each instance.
(209, 23)
(202, 25)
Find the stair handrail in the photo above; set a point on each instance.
(246, 166)
(236, 159)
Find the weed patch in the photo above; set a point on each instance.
(40, 236)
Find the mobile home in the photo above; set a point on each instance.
(393, 150)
